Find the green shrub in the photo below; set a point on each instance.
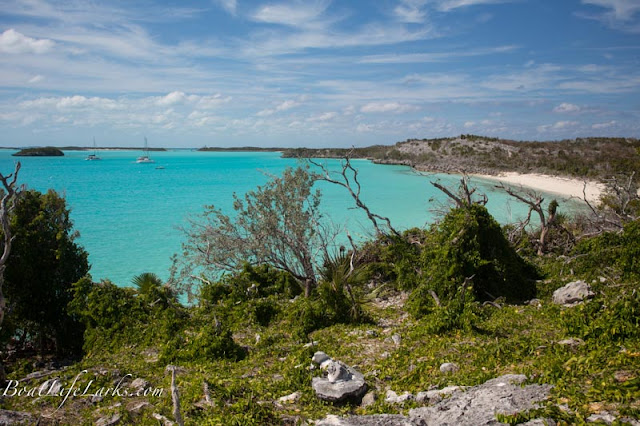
(264, 310)
(395, 259)
(614, 321)
(306, 315)
(251, 282)
(470, 249)
(115, 315)
(610, 250)
(206, 342)
(45, 260)
(629, 260)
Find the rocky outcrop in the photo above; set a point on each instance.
(376, 420)
(480, 404)
(572, 294)
(342, 383)
(477, 405)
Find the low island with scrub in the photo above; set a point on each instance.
(45, 151)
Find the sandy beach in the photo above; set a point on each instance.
(567, 187)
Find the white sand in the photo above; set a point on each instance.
(566, 187)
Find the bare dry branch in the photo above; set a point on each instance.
(354, 190)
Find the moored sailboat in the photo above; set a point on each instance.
(145, 158)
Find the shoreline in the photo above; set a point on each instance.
(567, 187)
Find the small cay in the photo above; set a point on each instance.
(45, 151)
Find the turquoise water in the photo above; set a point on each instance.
(128, 214)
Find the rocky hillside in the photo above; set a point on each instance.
(586, 157)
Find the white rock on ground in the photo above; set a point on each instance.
(573, 293)
(449, 367)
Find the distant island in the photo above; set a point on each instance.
(45, 151)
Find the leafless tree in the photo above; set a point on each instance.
(534, 200)
(348, 179)
(7, 205)
(619, 204)
(464, 196)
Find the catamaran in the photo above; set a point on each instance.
(145, 158)
(94, 156)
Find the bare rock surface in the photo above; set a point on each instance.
(475, 406)
(375, 420)
(573, 293)
(479, 404)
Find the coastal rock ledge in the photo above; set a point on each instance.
(476, 406)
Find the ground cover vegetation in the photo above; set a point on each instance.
(270, 290)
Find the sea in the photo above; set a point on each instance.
(131, 216)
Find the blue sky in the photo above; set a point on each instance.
(316, 72)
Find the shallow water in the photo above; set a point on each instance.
(128, 214)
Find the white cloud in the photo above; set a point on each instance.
(539, 77)
(558, 125)
(382, 107)
(296, 14)
(435, 56)
(410, 11)
(229, 5)
(604, 125)
(469, 124)
(36, 79)
(565, 107)
(171, 99)
(564, 124)
(285, 105)
(623, 10)
(447, 5)
(70, 102)
(323, 117)
(364, 128)
(214, 101)
(620, 15)
(11, 41)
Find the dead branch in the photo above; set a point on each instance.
(534, 200)
(7, 205)
(464, 197)
(175, 395)
(354, 190)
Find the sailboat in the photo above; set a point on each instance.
(145, 158)
(94, 156)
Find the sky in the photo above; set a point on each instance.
(316, 72)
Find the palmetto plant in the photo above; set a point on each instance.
(340, 279)
(146, 283)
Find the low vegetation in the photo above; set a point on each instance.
(465, 290)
